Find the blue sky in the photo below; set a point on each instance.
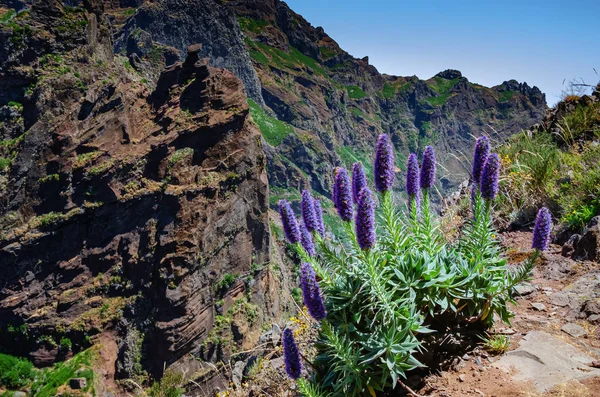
(539, 42)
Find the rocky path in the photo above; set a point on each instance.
(554, 336)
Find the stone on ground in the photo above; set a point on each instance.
(547, 361)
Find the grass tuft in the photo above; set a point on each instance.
(355, 92)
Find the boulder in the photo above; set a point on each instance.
(546, 361)
(78, 383)
(588, 246)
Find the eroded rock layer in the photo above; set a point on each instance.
(125, 207)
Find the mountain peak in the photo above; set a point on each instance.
(449, 74)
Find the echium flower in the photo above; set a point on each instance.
(291, 355)
(359, 180)
(311, 293)
(307, 242)
(412, 176)
(288, 219)
(489, 177)
(319, 215)
(412, 181)
(365, 220)
(428, 168)
(384, 164)
(344, 195)
(542, 229)
(482, 151)
(308, 211)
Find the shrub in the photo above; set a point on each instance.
(226, 282)
(65, 344)
(388, 283)
(15, 373)
(169, 386)
(557, 168)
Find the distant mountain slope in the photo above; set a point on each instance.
(323, 106)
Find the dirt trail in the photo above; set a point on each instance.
(559, 304)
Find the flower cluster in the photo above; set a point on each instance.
(384, 164)
(319, 217)
(359, 180)
(428, 168)
(289, 222)
(311, 293)
(480, 155)
(412, 180)
(542, 230)
(365, 220)
(343, 202)
(308, 211)
(489, 177)
(291, 355)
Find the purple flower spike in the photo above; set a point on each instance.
(359, 180)
(482, 151)
(319, 215)
(384, 164)
(288, 219)
(291, 355)
(307, 241)
(308, 211)
(489, 177)
(542, 229)
(365, 220)
(428, 168)
(344, 195)
(412, 176)
(311, 293)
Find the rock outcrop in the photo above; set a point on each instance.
(124, 208)
(178, 24)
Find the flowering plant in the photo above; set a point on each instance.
(379, 291)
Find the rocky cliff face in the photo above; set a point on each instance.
(126, 209)
(338, 104)
(325, 108)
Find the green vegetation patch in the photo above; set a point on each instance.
(558, 170)
(389, 90)
(442, 87)
(48, 382)
(9, 149)
(506, 96)
(180, 154)
(274, 131)
(294, 60)
(15, 373)
(355, 92)
(256, 54)
(327, 52)
(7, 16)
(279, 193)
(252, 25)
(16, 105)
(437, 100)
(19, 373)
